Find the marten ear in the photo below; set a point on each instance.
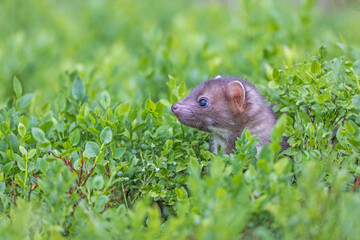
(236, 96)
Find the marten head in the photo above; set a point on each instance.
(215, 105)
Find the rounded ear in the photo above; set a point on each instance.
(236, 95)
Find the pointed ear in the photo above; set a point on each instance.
(236, 95)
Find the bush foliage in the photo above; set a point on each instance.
(90, 149)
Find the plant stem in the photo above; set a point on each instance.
(126, 203)
(356, 78)
(144, 185)
(26, 162)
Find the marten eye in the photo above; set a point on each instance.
(203, 102)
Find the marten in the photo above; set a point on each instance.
(224, 106)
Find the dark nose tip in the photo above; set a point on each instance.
(174, 107)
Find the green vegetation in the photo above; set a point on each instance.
(89, 148)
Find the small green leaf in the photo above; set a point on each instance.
(45, 109)
(24, 121)
(13, 142)
(38, 134)
(23, 150)
(98, 182)
(133, 114)
(106, 135)
(21, 129)
(182, 89)
(7, 167)
(119, 152)
(279, 128)
(172, 82)
(247, 134)
(105, 99)
(25, 100)
(349, 128)
(43, 165)
(323, 51)
(354, 142)
(74, 137)
(31, 153)
(92, 149)
(100, 202)
(315, 67)
(21, 164)
(275, 73)
(149, 105)
(266, 154)
(17, 87)
(78, 89)
(179, 193)
(281, 165)
(356, 102)
(206, 154)
(60, 103)
(122, 109)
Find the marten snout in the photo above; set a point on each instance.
(182, 110)
(174, 107)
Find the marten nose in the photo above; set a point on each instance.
(174, 107)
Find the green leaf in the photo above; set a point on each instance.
(24, 121)
(356, 102)
(119, 152)
(105, 99)
(349, 128)
(354, 142)
(17, 87)
(106, 135)
(38, 134)
(179, 193)
(45, 109)
(21, 129)
(21, 164)
(149, 105)
(266, 154)
(43, 165)
(98, 182)
(25, 100)
(182, 89)
(275, 73)
(7, 167)
(4, 145)
(279, 128)
(356, 67)
(31, 153)
(74, 137)
(281, 165)
(122, 109)
(13, 142)
(247, 134)
(92, 149)
(60, 103)
(323, 51)
(172, 82)
(133, 114)
(100, 202)
(315, 67)
(23, 150)
(78, 89)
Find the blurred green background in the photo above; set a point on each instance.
(130, 47)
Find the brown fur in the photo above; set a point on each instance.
(229, 111)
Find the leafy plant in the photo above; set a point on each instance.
(102, 156)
